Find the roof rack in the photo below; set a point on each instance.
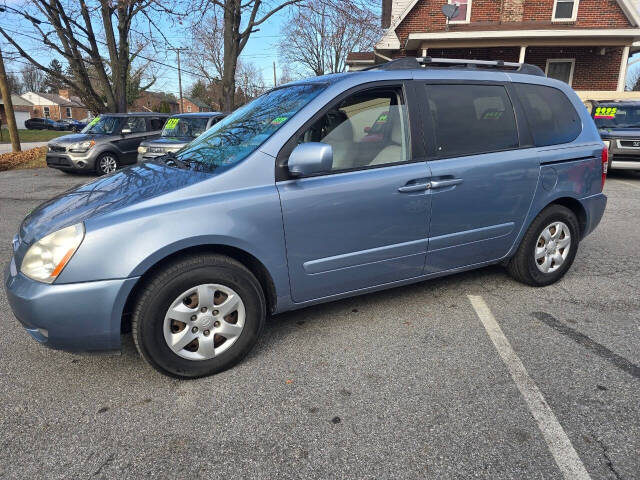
(407, 63)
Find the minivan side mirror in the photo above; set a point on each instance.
(124, 131)
(309, 158)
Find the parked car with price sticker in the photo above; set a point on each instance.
(180, 130)
(320, 189)
(618, 123)
(107, 143)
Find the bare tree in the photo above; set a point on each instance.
(32, 79)
(80, 32)
(207, 53)
(320, 36)
(239, 19)
(249, 81)
(286, 75)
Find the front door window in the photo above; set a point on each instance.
(366, 129)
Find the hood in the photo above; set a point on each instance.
(106, 194)
(167, 141)
(76, 137)
(608, 133)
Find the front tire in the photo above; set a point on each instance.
(198, 316)
(548, 249)
(106, 163)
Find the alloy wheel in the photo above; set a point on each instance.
(108, 164)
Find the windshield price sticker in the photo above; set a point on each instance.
(94, 121)
(605, 112)
(171, 123)
(278, 120)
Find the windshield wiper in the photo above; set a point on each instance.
(171, 158)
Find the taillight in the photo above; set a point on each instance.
(605, 164)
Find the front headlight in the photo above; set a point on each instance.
(46, 258)
(81, 147)
(142, 149)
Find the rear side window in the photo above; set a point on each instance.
(472, 119)
(552, 118)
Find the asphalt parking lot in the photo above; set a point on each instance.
(414, 382)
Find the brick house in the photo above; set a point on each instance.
(194, 105)
(21, 111)
(585, 43)
(155, 102)
(61, 106)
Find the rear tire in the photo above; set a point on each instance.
(548, 249)
(172, 306)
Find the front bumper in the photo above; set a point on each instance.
(143, 157)
(624, 156)
(72, 161)
(76, 316)
(625, 162)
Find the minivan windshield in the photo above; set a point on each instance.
(103, 125)
(184, 127)
(615, 116)
(241, 133)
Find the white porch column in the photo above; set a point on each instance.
(622, 75)
(523, 51)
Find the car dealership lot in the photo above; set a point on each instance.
(402, 383)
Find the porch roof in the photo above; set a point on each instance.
(489, 38)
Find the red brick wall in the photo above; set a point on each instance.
(54, 112)
(592, 71)
(188, 103)
(426, 16)
(591, 13)
(508, 54)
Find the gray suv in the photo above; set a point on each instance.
(619, 126)
(178, 131)
(105, 144)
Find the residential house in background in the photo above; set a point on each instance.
(194, 105)
(585, 43)
(21, 110)
(155, 102)
(60, 106)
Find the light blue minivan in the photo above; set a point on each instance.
(317, 190)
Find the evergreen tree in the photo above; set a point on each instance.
(53, 84)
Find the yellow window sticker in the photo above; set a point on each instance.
(171, 123)
(94, 121)
(278, 120)
(605, 112)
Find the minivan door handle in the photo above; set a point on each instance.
(445, 183)
(415, 187)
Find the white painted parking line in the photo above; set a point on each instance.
(559, 444)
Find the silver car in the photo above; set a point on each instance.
(178, 131)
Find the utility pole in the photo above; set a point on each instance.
(178, 50)
(8, 107)
(275, 83)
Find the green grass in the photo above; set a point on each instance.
(32, 135)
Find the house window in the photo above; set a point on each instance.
(565, 10)
(464, 11)
(46, 112)
(69, 114)
(561, 69)
(189, 108)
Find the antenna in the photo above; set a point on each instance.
(450, 10)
